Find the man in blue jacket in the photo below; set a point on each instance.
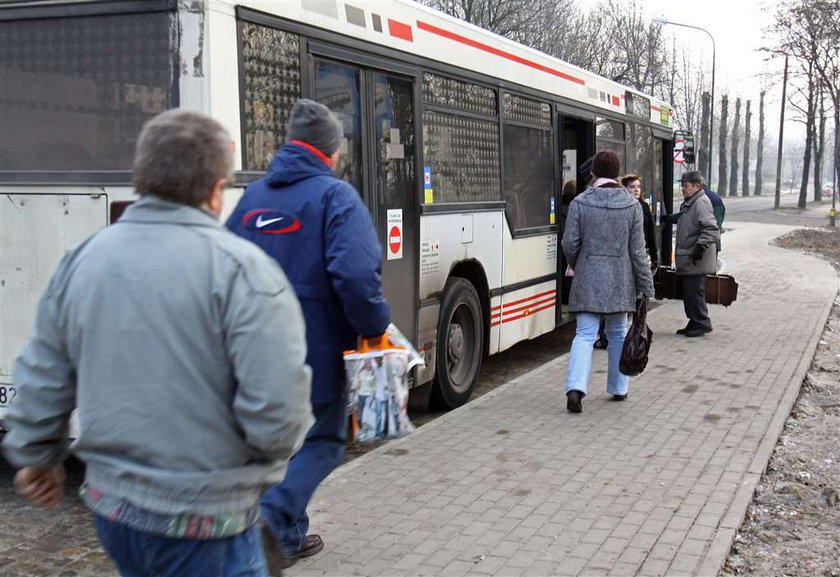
(319, 231)
(719, 210)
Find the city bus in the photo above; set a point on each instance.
(459, 141)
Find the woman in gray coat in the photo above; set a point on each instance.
(604, 244)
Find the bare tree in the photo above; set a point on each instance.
(801, 27)
(736, 129)
(722, 161)
(637, 57)
(525, 21)
(819, 144)
(759, 148)
(745, 175)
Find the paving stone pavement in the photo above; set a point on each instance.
(511, 484)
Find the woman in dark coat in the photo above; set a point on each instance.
(633, 184)
(604, 245)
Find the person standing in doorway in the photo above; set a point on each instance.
(697, 231)
(604, 243)
(633, 184)
(183, 349)
(319, 231)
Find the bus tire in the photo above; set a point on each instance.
(460, 344)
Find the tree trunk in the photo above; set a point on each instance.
(759, 152)
(736, 128)
(780, 150)
(722, 162)
(703, 155)
(745, 175)
(809, 143)
(836, 177)
(819, 149)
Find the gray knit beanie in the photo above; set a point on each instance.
(314, 124)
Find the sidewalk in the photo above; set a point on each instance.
(511, 484)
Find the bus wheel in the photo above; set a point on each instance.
(459, 344)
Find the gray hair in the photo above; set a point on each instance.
(180, 155)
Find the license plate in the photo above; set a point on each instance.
(7, 394)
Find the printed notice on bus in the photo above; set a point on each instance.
(395, 234)
(429, 257)
(551, 247)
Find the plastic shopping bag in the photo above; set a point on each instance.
(377, 378)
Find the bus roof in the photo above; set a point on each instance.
(416, 29)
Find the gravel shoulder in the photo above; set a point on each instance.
(792, 525)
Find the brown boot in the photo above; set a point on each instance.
(277, 560)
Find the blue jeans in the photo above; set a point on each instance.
(580, 359)
(283, 506)
(138, 554)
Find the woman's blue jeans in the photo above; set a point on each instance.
(139, 554)
(580, 359)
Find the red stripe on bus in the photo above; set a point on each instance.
(528, 314)
(656, 108)
(497, 52)
(496, 308)
(529, 305)
(400, 30)
(532, 297)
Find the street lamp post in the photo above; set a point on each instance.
(712, 107)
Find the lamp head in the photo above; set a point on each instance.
(661, 20)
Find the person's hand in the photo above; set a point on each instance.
(41, 486)
(697, 253)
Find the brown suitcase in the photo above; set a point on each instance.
(721, 289)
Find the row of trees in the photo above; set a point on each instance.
(807, 32)
(616, 39)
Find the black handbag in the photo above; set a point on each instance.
(634, 352)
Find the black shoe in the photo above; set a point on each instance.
(601, 344)
(619, 397)
(687, 327)
(698, 332)
(707, 329)
(573, 401)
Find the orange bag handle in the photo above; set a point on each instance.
(367, 344)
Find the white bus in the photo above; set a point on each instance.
(460, 142)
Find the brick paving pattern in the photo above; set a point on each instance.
(511, 484)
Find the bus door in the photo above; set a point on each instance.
(663, 175)
(577, 144)
(378, 158)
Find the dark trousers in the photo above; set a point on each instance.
(283, 506)
(694, 300)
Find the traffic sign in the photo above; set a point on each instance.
(679, 151)
(395, 234)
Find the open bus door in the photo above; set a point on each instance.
(378, 158)
(577, 144)
(664, 175)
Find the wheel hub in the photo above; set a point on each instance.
(455, 346)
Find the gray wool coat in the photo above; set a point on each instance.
(604, 243)
(696, 226)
